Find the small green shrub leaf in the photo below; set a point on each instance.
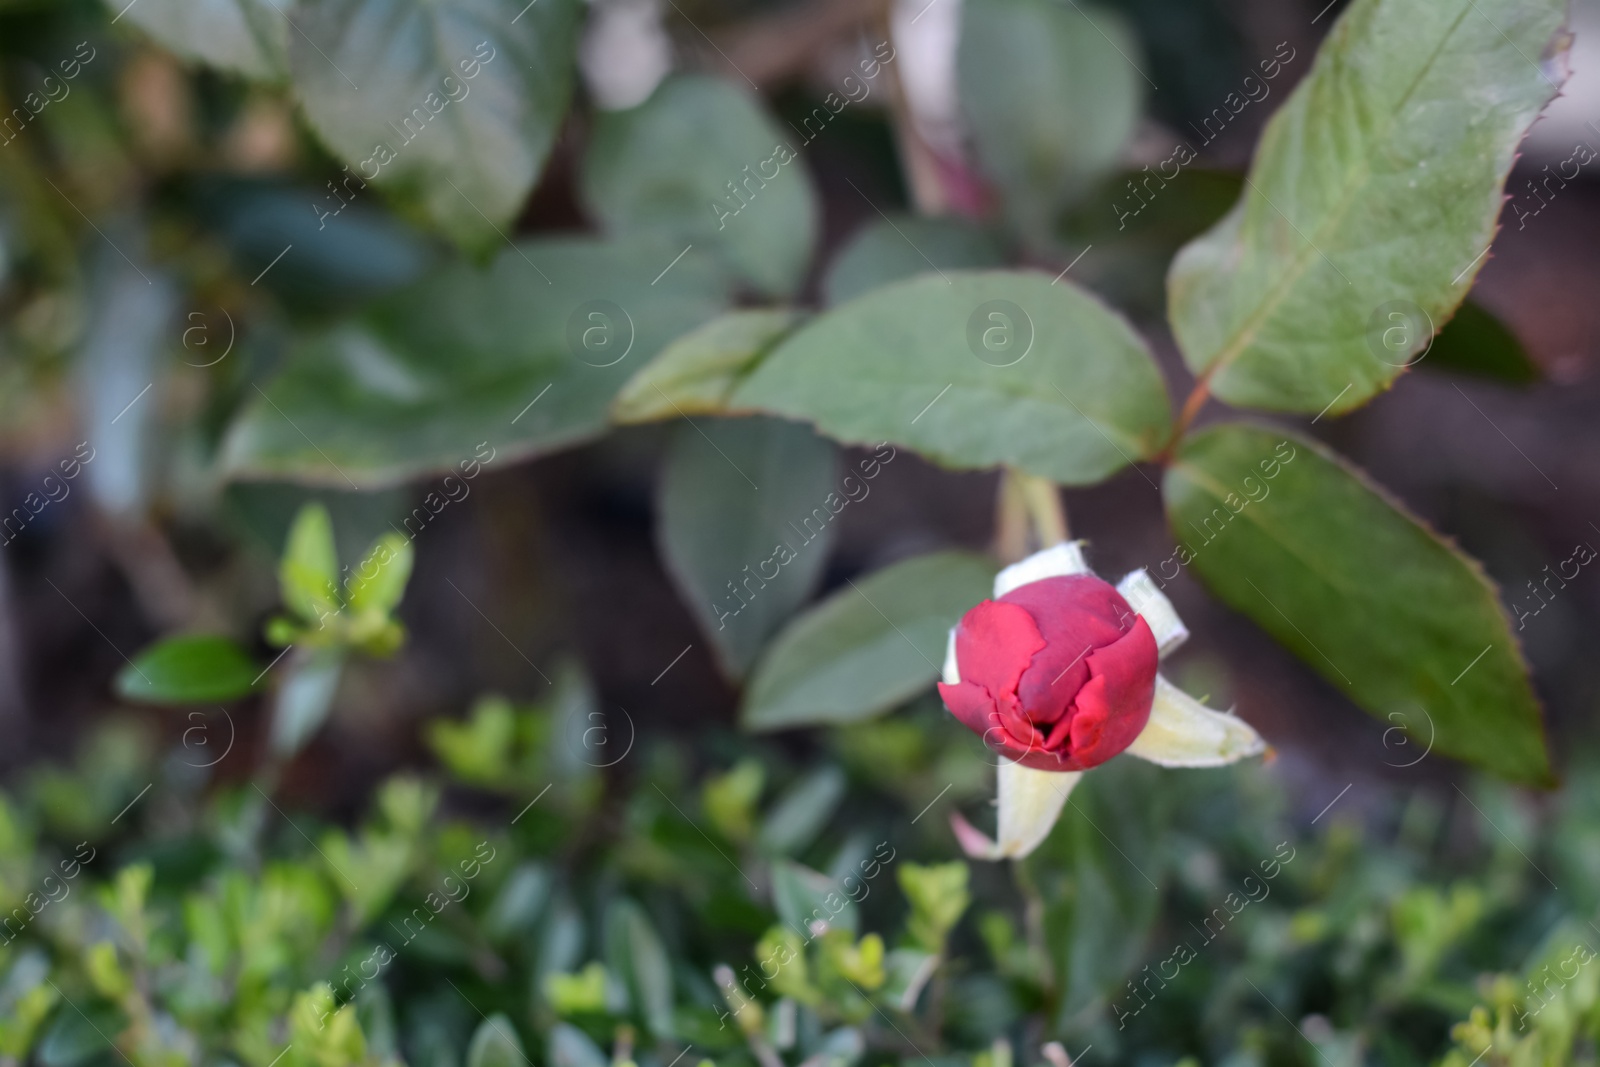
(495, 1044)
(189, 669)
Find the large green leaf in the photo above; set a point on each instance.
(697, 373)
(249, 37)
(189, 669)
(974, 369)
(747, 511)
(889, 249)
(1407, 625)
(701, 162)
(502, 356)
(450, 104)
(1375, 190)
(1051, 93)
(869, 646)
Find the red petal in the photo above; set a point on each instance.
(995, 642)
(1075, 614)
(1112, 708)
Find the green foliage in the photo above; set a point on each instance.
(745, 524)
(1475, 342)
(1360, 590)
(450, 375)
(688, 162)
(938, 896)
(327, 614)
(888, 250)
(865, 649)
(1377, 185)
(1052, 92)
(973, 370)
(1140, 927)
(188, 669)
(246, 36)
(697, 373)
(386, 84)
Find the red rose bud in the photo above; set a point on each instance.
(1057, 675)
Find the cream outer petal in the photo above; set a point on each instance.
(951, 675)
(1064, 557)
(1147, 599)
(1183, 732)
(1030, 803)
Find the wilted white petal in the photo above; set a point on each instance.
(1147, 599)
(1030, 803)
(1183, 732)
(1063, 558)
(951, 675)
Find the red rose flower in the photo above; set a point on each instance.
(1057, 675)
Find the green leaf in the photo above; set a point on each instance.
(571, 1047)
(938, 897)
(523, 364)
(1408, 626)
(697, 373)
(308, 574)
(868, 647)
(746, 523)
(189, 669)
(1376, 188)
(1051, 93)
(636, 955)
(701, 162)
(1476, 342)
(974, 369)
(380, 581)
(802, 896)
(800, 814)
(887, 250)
(249, 37)
(1099, 874)
(451, 105)
(495, 1044)
(305, 697)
